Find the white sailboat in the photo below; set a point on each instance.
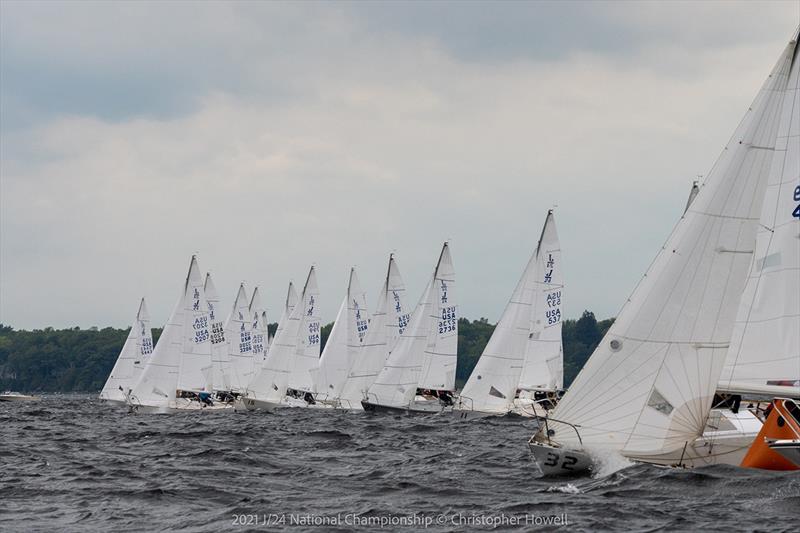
(646, 392)
(306, 358)
(543, 370)
(267, 390)
(764, 355)
(239, 337)
(388, 323)
(259, 331)
(132, 359)
(344, 344)
(178, 370)
(528, 335)
(427, 345)
(223, 377)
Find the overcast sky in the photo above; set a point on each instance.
(270, 136)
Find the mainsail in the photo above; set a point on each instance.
(388, 322)
(439, 359)
(764, 356)
(184, 344)
(132, 358)
(306, 356)
(648, 387)
(544, 360)
(220, 360)
(239, 335)
(344, 342)
(396, 384)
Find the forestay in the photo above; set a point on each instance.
(439, 359)
(544, 359)
(388, 322)
(764, 356)
(648, 387)
(344, 342)
(132, 358)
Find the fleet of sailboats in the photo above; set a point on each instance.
(714, 320)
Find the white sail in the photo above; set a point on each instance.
(239, 336)
(385, 327)
(493, 383)
(195, 372)
(398, 380)
(132, 358)
(306, 357)
(764, 356)
(223, 377)
(544, 359)
(344, 342)
(647, 388)
(439, 360)
(260, 334)
(184, 343)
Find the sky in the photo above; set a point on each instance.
(267, 137)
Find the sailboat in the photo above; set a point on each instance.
(223, 379)
(387, 324)
(239, 337)
(131, 360)
(178, 374)
(425, 354)
(305, 362)
(260, 332)
(647, 390)
(267, 390)
(344, 344)
(542, 373)
(524, 351)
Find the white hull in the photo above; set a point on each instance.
(789, 449)
(253, 404)
(727, 438)
(16, 397)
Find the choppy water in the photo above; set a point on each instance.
(74, 464)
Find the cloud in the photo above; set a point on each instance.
(268, 137)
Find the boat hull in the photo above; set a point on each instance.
(789, 449)
(18, 398)
(254, 404)
(410, 410)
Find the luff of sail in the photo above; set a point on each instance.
(647, 388)
(493, 383)
(764, 356)
(440, 357)
(344, 342)
(385, 327)
(306, 356)
(543, 368)
(223, 377)
(132, 358)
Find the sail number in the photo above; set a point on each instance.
(402, 322)
(200, 329)
(258, 343)
(217, 333)
(245, 342)
(553, 316)
(796, 212)
(313, 333)
(447, 322)
(147, 346)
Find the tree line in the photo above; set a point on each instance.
(80, 360)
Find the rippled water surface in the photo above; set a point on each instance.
(74, 464)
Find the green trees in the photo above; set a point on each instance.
(75, 359)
